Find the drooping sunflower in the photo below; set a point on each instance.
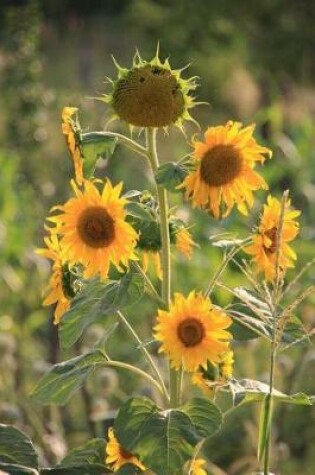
(184, 242)
(72, 133)
(196, 467)
(117, 456)
(265, 242)
(93, 229)
(223, 173)
(207, 378)
(151, 94)
(193, 331)
(59, 292)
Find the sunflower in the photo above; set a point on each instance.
(192, 331)
(223, 173)
(58, 292)
(93, 229)
(196, 467)
(265, 241)
(117, 455)
(151, 94)
(184, 242)
(71, 131)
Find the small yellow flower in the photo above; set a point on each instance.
(226, 365)
(207, 379)
(117, 456)
(151, 94)
(184, 242)
(73, 144)
(264, 246)
(93, 229)
(192, 331)
(196, 467)
(224, 170)
(57, 292)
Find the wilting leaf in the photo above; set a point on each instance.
(170, 175)
(95, 145)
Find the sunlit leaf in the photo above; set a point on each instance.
(95, 145)
(264, 426)
(249, 390)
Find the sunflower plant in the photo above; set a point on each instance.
(101, 242)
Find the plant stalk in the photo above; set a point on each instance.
(166, 251)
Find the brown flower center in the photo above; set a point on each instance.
(124, 453)
(190, 332)
(96, 227)
(220, 165)
(149, 96)
(272, 235)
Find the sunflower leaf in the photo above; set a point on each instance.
(205, 416)
(17, 449)
(170, 175)
(95, 145)
(163, 440)
(64, 379)
(249, 390)
(16, 469)
(96, 300)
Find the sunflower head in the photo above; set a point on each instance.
(266, 241)
(93, 229)
(196, 467)
(151, 94)
(223, 169)
(192, 332)
(117, 456)
(61, 286)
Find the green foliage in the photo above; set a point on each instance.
(248, 390)
(170, 175)
(64, 379)
(95, 145)
(16, 448)
(165, 439)
(96, 299)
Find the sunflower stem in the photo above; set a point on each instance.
(145, 352)
(274, 342)
(166, 251)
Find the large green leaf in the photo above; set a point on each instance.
(163, 440)
(16, 448)
(91, 452)
(15, 469)
(64, 379)
(205, 416)
(249, 390)
(97, 299)
(95, 145)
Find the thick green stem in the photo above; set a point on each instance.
(166, 251)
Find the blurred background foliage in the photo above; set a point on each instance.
(255, 62)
